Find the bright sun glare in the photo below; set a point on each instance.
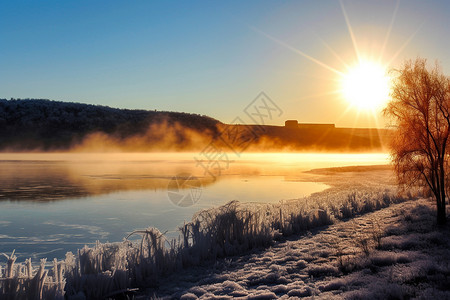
(366, 86)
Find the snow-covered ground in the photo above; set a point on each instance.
(394, 253)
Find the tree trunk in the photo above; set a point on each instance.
(441, 217)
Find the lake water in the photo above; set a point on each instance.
(53, 203)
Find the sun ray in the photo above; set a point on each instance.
(365, 84)
(350, 30)
(405, 44)
(333, 79)
(334, 53)
(343, 114)
(348, 109)
(377, 128)
(377, 121)
(353, 127)
(286, 45)
(318, 95)
(388, 34)
(335, 92)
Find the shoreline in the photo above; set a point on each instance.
(79, 182)
(231, 229)
(377, 255)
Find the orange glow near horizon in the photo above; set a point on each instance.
(361, 83)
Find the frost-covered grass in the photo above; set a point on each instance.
(404, 256)
(110, 270)
(20, 281)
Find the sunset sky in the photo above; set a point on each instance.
(213, 57)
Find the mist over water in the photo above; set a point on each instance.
(51, 203)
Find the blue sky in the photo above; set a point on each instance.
(209, 57)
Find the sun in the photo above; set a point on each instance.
(366, 86)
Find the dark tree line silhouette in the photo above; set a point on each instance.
(45, 125)
(28, 124)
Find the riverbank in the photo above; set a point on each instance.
(54, 203)
(218, 237)
(394, 253)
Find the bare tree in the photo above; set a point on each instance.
(420, 107)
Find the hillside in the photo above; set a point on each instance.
(54, 125)
(44, 125)
(321, 139)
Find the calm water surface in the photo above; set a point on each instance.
(54, 203)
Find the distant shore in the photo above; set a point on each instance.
(40, 125)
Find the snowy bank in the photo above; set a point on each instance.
(394, 253)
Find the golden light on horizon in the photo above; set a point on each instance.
(366, 86)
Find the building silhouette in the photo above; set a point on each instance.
(296, 124)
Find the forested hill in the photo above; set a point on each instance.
(44, 125)
(38, 124)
